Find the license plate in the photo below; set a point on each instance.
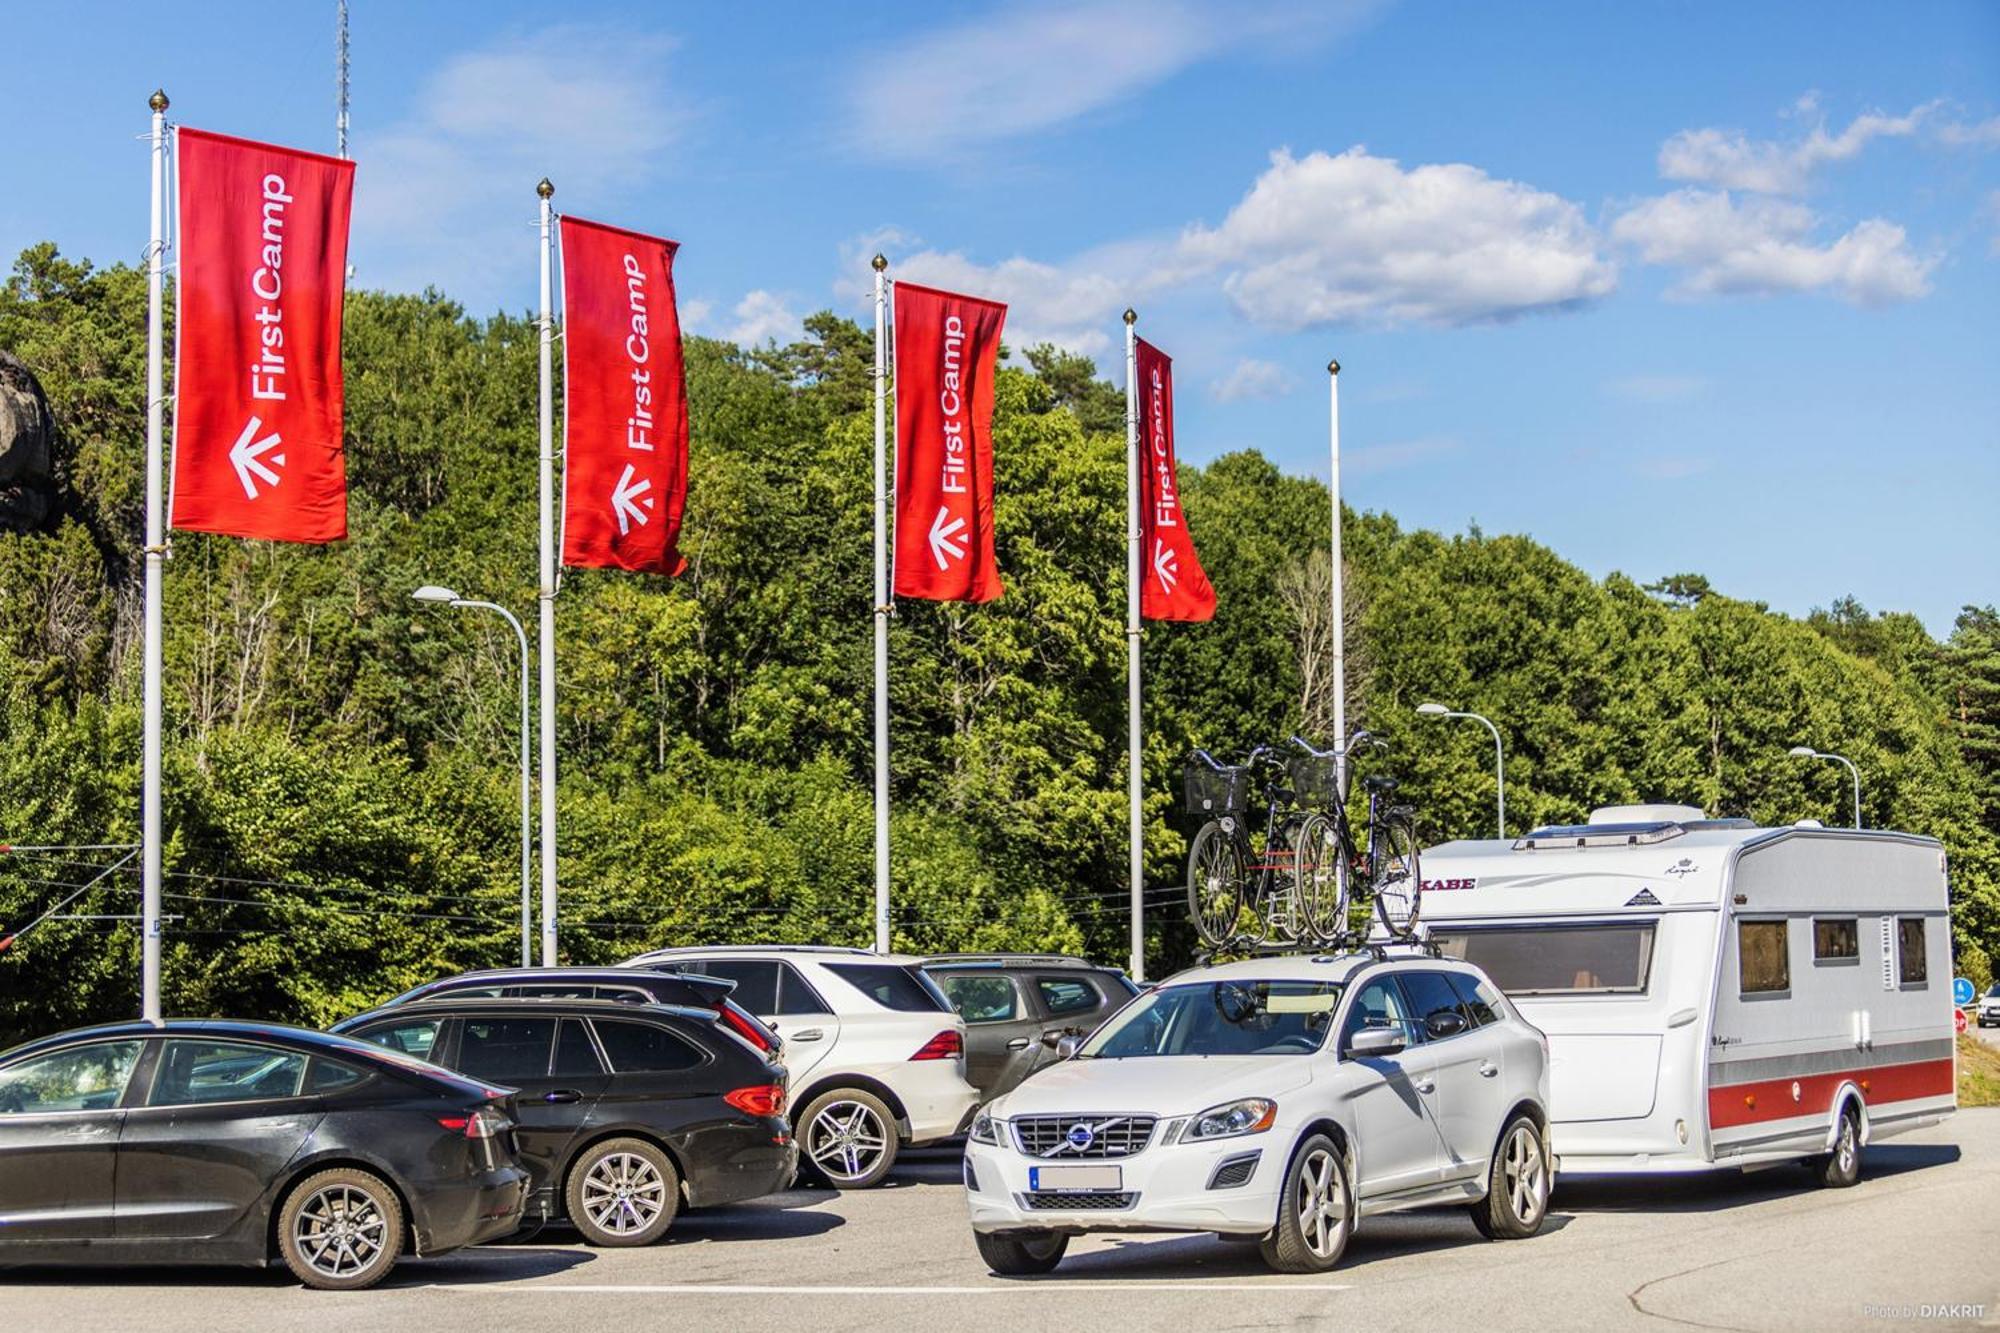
(1074, 1179)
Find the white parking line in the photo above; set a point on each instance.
(1107, 1286)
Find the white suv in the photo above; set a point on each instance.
(1277, 1100)
(1989, 1006)
(875, 1052)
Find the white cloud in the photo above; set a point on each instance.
(1019, 69)
(1253, 379)
(763, 317)
(1759, 246)
(1316, 241)
(1658, 388)
(446, 194)
(1354, 238)
(1973, 134)
(1369, 459)
(1733, 161)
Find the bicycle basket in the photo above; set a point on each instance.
(1316, 779)
(1216, 791)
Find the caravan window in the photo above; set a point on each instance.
(1557, 960)
(1912, 969)
(1836, 940)
(1763, 961)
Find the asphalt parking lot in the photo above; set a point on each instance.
(1764, 1251)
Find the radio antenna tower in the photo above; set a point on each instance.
(340, 81)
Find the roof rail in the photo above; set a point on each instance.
(1030, 959)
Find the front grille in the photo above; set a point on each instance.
(1235, 1171)
(1101, 1201)
(1063, 1136)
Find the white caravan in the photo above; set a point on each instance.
(1715, 994)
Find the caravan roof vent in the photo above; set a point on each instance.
(1655, 813)
(1600, 835)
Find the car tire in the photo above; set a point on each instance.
(1024, 1255)
(1841, 1168)
(1315, 1211)
(341, 1230)
(1517, 1184)
(622, 1192)
(847, 1139)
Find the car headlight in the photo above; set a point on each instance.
(1252, 1115)
(984, 1130)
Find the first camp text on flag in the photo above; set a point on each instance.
(946, 347)
(257, 375)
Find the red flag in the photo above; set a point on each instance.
(257, 387)
(946, 346)
(625, 414)
(1172, 585)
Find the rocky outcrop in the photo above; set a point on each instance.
(27, 450)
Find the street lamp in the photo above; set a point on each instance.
(1499, 756)
(1807, 752)
(437, 596)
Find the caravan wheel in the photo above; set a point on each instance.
(1841, 1168)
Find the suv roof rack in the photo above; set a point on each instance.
(1029, 959)
(759, 948)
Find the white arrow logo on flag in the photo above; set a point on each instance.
(248, 458)
(943, 537)
(625, 501)
(1166, 564)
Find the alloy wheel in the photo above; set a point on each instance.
(1321, 1204)
(623, 1193)
(339, 1231)
(1524, 1174)
(846, 1140)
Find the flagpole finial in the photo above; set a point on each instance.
(879, 262)
(1333, 367)
(158, 101)
(545, 187)
(1131, 315)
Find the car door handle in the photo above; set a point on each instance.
(1487, 1069)
(1426, 1085)
(563, 1095)
(808, 1034)
(1018, 1044)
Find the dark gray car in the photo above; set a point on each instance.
(1016, 1008)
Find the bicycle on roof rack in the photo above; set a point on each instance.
(1294, 884)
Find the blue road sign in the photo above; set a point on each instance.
(1961, 991)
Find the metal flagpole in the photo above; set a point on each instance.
(1134, 776)
(340, 80)
(548, 589)
(156, 554)
(1339, 601)
(881, 263)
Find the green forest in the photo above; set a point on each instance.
(340, 800)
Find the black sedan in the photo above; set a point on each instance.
(626, 1110)
(204, 1141)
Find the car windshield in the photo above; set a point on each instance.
(1235, 1017)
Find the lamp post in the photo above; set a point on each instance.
(435, 595)
(1499, 757)
(1807, 752)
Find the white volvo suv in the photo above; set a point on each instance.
(1276, 1100)
(875, 1052)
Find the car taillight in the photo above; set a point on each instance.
(946, 1045)
(478, 1125)
(749, 1031)
(762, 1099)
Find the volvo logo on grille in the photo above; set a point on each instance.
(1081, 1136)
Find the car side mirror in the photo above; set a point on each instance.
(1446, 1024)
(1067, 1046)
(1376, 1041)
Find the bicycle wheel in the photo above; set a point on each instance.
(1322, 879)
(1215, 884)
(1397, 880)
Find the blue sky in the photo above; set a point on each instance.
(1669, 287)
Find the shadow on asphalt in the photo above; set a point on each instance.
(1712, 1192)
(484, 1264)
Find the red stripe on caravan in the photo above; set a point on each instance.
(1753, 1103)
